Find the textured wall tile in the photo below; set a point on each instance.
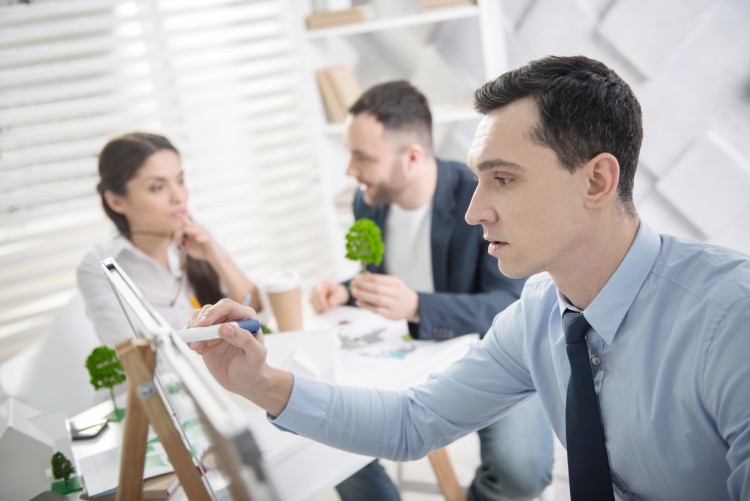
(737, 233)
(709, 184)
(713, 72)
(644, 185)
(665, 218)
(649, 32)
(670, 124)
(559, 27)
(516, 10)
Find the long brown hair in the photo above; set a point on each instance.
(119, 162)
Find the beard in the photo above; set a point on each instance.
(387, 190)
(377, 195)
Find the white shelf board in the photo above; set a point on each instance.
(441, 114)
(389, 23)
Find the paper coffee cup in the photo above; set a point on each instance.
(283, 291)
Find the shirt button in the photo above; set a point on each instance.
(595, 361)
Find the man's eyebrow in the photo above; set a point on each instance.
(499, 163)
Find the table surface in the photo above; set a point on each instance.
(346, 345)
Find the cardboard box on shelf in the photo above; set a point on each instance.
(339, 89)
(331, 18)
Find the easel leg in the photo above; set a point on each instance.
(139, 361)
(446, 476)
(133, 458)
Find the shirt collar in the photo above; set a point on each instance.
(121, 244)
(607, 310)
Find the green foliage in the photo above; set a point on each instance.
(364, 243)
(105, 371)
(104, 368)
(62, 468)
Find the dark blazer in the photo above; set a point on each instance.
(469, 288)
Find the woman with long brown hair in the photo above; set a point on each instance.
(174, 261)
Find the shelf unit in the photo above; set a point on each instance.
(396, 22)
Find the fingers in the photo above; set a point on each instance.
(318, 298)
(225, 310)
(235, 336)
(326, 295)
(370, 301)
(195, 234)
(371, 292)
(200, 347)
(371, 282)
(197, 315)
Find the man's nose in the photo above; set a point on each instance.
(479, 210)
(350, 170)
(472, 211)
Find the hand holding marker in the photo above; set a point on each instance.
(212, 331)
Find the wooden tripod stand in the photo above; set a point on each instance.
(145, 406)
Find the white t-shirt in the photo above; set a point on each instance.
(408, 253)
(168, 290)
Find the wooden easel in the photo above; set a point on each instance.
(144, 406)
(446, 476)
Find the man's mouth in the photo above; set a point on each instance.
(496, 245)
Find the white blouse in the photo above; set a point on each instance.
(168, 290)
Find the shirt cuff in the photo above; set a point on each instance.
(307, 408)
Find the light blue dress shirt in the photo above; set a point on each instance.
(670, 352)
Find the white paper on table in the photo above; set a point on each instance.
(379, 352)
(101, 472)
(314, 353)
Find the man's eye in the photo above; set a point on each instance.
(503, 180)
(156, 188)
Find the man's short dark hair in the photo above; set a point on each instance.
(585, 109)
(400, 107)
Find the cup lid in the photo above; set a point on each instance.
(282, 281)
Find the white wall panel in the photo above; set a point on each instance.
(709, 184)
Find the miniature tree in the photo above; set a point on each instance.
(364, 243)
(106, 372)
(62, 469)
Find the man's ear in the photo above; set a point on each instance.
(414, 155)
(603, 176)
(114, 201)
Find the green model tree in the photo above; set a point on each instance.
(106, 372)
(364, 243)
(62, 469)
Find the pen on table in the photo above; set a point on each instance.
(212, 331)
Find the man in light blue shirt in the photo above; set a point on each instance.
(555, 155)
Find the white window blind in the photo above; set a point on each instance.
(221, 78)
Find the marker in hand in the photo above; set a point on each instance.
(212, 331)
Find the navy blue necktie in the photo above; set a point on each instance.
(588, 465)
